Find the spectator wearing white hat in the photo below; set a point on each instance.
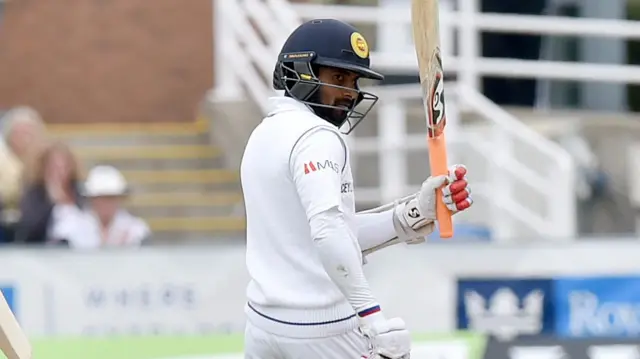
(105, 222)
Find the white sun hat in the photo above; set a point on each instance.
(105, 181)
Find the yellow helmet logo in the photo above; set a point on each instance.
(359, 45)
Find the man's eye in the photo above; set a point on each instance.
(339, 78)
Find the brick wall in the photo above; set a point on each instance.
(106, 60)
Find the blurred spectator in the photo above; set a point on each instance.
(23, 132)
(592, 182)
(104, 223)
(589, 182)
(51, 193)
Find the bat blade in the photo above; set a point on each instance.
(13, 341)
(426, 36)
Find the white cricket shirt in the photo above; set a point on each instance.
(295, 168)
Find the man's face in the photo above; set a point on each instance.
(344, 97)
(106, 206)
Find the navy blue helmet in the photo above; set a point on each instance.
(325, 43)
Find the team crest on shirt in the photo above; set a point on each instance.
(314, 166)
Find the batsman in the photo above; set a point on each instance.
(308, 297)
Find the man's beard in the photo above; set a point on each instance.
(337, 114)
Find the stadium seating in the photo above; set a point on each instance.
(178, 183)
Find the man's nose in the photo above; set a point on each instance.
(350, 94)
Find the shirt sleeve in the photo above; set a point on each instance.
(72, 224)
(375, 229)
(316, 166)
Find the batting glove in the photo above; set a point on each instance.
(415, 218)
(389, 338)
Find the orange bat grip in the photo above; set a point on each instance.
(439, 166)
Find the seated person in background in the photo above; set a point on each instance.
(52, 191)
(104, 222)
(23, 132)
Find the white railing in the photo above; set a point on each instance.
(249, 34)
(242, 58)
(511, 213)
(470, 64)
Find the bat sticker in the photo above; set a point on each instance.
(435, 105)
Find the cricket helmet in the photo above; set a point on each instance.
(325, 43)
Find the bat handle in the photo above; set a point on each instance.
(439, 166)
(443, 215)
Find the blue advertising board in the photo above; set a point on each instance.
(598, 306)
(506, 307)
(568, 307)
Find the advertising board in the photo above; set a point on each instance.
(506, 307)
(603, 306)
(565, 306)
(201, 290)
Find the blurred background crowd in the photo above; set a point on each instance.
(46, 199)
(108, 120)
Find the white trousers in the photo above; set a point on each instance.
(259, 344)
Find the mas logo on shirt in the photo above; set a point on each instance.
(314, 166)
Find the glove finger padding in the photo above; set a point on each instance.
(457, 193)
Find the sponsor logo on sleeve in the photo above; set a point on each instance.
(315, 166)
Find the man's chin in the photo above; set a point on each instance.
(340, 115)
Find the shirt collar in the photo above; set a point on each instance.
(278, 104)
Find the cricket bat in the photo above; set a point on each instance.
(426, 36)
(13, 341)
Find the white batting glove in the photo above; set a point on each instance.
(389, 338)
(415, 218)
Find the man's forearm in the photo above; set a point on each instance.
(341, 258)
(375, 229)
